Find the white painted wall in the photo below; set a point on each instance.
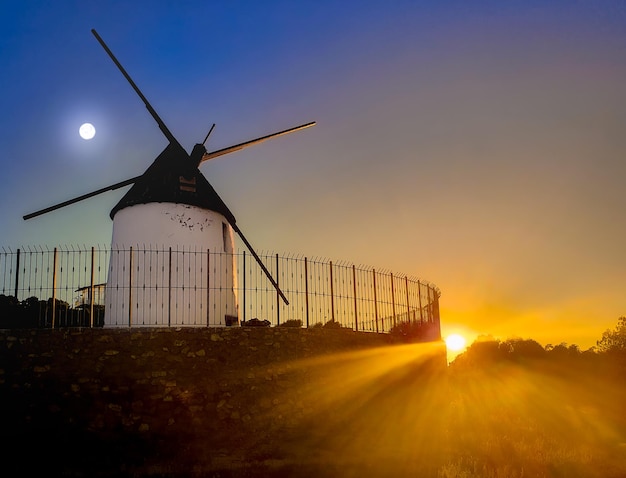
(155, 298)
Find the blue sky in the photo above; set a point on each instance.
(479, 145)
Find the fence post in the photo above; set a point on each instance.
(375, 299)
(17, 272)
(436, 317)
(169, 287)
(277, 295)
(430, 307)
(419, 298)
(130, 288)
(332, 294)
(243, 315)
(306, 290)
(408, 308)
(208, 284)
(393, 300)
(54, 286)
(356, 316)
(93, 255)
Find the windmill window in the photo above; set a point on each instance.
(226, 238)
(188, 185)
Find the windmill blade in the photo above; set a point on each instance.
(208, 134)
(168, 134)
(233, 223)
(80, 198)
(240, 146)
(260, 262)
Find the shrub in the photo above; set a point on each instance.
(255, 323)
(291, 323)
(410, 331)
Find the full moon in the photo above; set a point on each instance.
(87, 131)
(455, 342)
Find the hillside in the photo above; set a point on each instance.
(202, 402)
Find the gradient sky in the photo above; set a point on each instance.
(479, 145)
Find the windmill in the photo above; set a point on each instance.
(173, 205)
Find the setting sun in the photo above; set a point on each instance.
(455, 342)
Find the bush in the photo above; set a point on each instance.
(255, 323)
(291, 323)
(410, 331)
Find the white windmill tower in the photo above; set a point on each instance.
(172, 206)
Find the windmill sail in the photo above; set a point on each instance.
(240, 146)
(69, 202)
(168, 134)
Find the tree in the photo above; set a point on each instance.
(485, 350)
(613, 340)
(523, 349)
(563, 351)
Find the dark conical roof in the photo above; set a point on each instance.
(172, 178)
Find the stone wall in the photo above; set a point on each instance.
(180, 402)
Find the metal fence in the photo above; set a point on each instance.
(67, 287)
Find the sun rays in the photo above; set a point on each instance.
(398, 411)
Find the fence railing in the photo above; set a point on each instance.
(68, 287)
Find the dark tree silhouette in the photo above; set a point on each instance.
(524, 349)
(614, 340)
(34, 313)
(563, 351)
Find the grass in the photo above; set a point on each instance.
(535, 419)
(507, 420)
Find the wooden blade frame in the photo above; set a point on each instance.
(168, 134)
(240, 146)
(80, 198)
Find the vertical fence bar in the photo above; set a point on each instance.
(277, 294)
(393, 300)
(17, 272)
(130, 287)
(435, 306)
(408, 308)
(430, 307)
(332, 294)
(356, 317)
(375, 299)
(93, 256)
(419, 300)
(243, 315)
(208, 287)
(54, 286)
(306, 290)
(169, 288)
